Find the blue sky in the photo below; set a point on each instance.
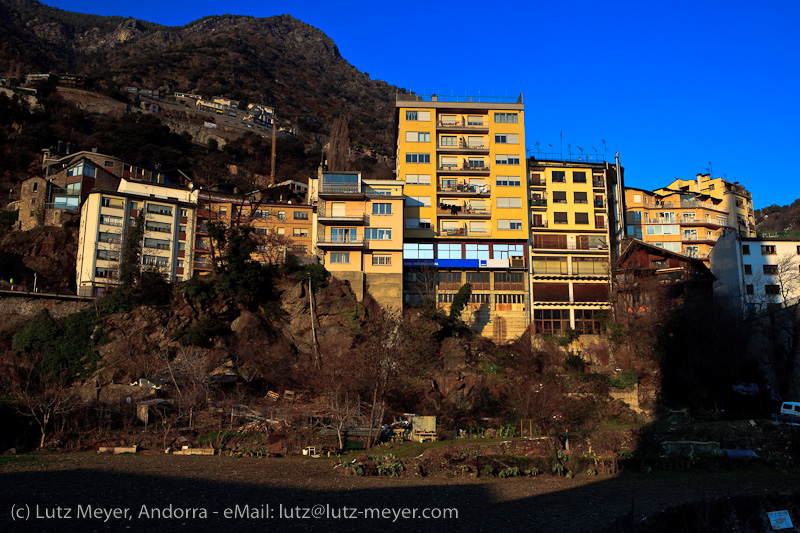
(675, 88)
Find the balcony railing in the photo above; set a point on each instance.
(540, 202)
(354, 188)
(463, 211)
(61, 205)
(464, 168)
(597, 183)
(340, 239)
(353, 216)
(463, 145)
(464, 122)
(464, 232)
(542, 224)
(465, 188)
(538, 183)
(599, 204)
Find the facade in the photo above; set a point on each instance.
(358, 233)
(466, 214)
(648, 278)
(688, 216)
(108, 215)
(757, 274)
(281, 221)
(574, 213)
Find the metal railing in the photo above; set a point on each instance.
(541, 202)
(463, 232)
(465, 188)
(463, 168)
(340, 189)
(480, 99)
(464, 211)
(572, 158)
(339, 239)
(462, 145)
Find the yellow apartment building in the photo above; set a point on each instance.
(466, 214)
(689, 216)
(281, 221)
(734, 199)
(358, 233)
(108, 215)
(573, 230)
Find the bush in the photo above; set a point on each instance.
(201, 333)
(317, 274)
(626, 379)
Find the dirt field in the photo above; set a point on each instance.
(277, 491)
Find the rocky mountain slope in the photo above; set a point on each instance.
(277, 61)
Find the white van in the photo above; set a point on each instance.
(790, 408)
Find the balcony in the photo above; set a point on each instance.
(599, 204)
(342, 189)
(537, 182)
(465, 211)
(339, 241)
(539, 202)
(347, 217)
(464, 146)
(464, 124)
(465, 189)
(463, 169)
(539, 224)
(464, 232)
(598, 183)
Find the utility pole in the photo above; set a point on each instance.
(274, 137)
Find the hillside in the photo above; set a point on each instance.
(779, 218)
(277, 61)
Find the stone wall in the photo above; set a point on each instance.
(23, 306)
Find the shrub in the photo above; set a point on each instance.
(626, 379)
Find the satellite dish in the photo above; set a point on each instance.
(128, 399)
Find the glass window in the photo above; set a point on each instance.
(383, 209)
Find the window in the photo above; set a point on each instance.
(589, 266)
(767, 250)
(506, 118)
(108, 255)
(418, 136)
(301, 215)
(559, 176)
(509, 298)
(418, 223)
(81, 169)
(748, 269)
(418, 179)
(770, 269)
(74, 188)
(772, 290)
(381, 234)
(581, 198)
(475, 162)
(479, 298)
(474, 120)
(381, 260)
(745, 249)
(578, 177)
(560, 217)
(281, 231)
(476, 251)
(581, 218)
(511, 159)
(549, 265)
(474, 141)
(158, 244)
(381, 209)
(689, 216)
(448, 162)
(161, 227)
(506, 138)
(157, 209)
(503, 251)
(507, 203)
(559, 197)
(105, 273)
(509, 224)
(300, 232)
(510, 181)
(421, 116)
(281, 215)
(551, 321)
(34, 186)
(340, 257)
(418, 250)
(449, 251)
(750, 289)
(111, 221)
(448, 140)
(418, 158)
(418, 201)
(637, 198)
(446, 298)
